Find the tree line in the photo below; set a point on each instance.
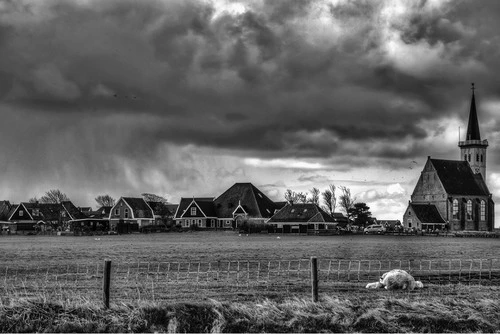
(357, 212)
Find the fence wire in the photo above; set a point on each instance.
(244, 279)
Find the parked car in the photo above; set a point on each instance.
(374, 229)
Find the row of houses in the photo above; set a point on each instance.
(240, 205)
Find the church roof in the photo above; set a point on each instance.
(473, 126)
(458, 179)
(427, 213)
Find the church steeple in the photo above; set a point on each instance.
(473, 149)
(473, 126)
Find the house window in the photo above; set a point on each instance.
(469, 209)
(193, 211)
(21, 213)
(36, 212)
(483, 210)
(63, 214)
(409, 222)
(126, 212)
(117, 211)
(316, 226)
(455, 209)
(199, 222)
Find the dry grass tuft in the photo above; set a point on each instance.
(392, 313)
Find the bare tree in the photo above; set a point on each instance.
(301, 197)
(346, 200)
(54, 196)
(153, 198)
(105, 200)
(33, 200)
(314, 196)
(330, 199)
(290, 196)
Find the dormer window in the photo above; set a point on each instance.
(21, 213)
(126, 212)
(36, 212)
(193, 211)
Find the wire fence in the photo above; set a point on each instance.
(242, 280)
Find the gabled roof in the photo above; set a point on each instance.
(255, 203)
(458, 179)
(46, 211)
(206, 205)
(73, 210)
(138, 204)
(427, 213)
(303, 213)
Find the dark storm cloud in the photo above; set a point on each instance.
(277, 78)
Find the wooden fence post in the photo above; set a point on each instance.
(314, 279)
(106, 282)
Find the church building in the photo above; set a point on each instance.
(452, 194)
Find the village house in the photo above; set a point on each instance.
(130, 214)
(243, 202)
(303, 218)
(452, 194)
(196, 211)
(93, 221)
(44, 216)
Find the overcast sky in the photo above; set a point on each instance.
(185, 98)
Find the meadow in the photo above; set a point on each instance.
(213, 246)
(54, 283)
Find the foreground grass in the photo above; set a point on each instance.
(380, 314)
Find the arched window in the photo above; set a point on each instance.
(477, 157)
(469, 209)
(455, 208)
(469, 157)
(465, 157)
(483, 210)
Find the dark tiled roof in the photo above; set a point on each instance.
(47, 211)
(301, 213)
(458, 179)
(5, 208)
(254, 202)
(139, 206)
(427, 213)
(73, 210)
(172, 208)
(206, 204)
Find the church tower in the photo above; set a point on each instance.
(473, 149)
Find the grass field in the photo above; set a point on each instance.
(68, 296)
(210, 246)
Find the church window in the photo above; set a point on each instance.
(477, 157)
(469, 157)
(469, 209)
(465, 157)
(481, 158)
(483, 210)
(455, 208)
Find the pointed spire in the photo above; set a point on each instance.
(473, 126)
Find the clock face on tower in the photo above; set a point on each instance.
(476, 170)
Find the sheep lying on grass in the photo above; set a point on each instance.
(396, 279)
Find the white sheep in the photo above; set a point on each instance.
(396, 279)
